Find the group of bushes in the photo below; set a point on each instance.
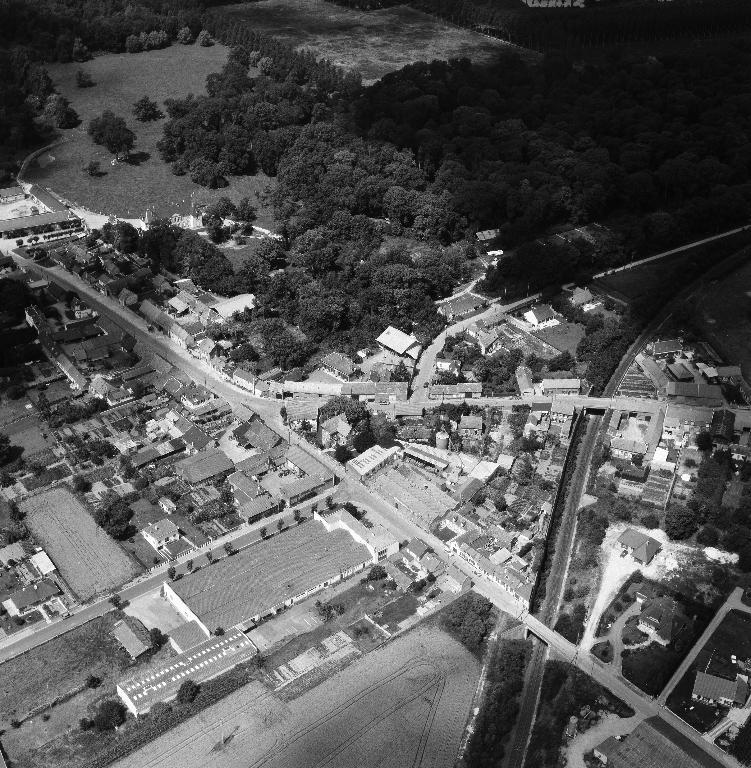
(470, 620)
(500, 707)
(565, 690)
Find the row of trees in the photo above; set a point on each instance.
(67, 30)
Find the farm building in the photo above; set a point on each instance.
(204, 466)
(262, 579)
(200, 663)
(460, 306)
(370, 461)
(561, 386)
(132, 635)
(400, 343)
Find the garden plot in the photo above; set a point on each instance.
(87, 558)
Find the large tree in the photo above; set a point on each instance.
(111, 131)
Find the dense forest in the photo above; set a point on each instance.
(380, 189)
(658, 150)
(599, 25)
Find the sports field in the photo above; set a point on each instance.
(405, 704)
(373, 43)
(87, 558)
(129, 188)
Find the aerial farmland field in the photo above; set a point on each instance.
(405, 704)
(373, 43)
(87, 558)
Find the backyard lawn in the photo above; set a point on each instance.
(128, 189)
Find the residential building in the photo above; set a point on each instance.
(339, 365)
(719, 690)
(641, 547)
(244, 379)
(414, 551)
(127, 298)
(660, 619)
(679, 372)
(161, 533)
(11, 194)
(654, 744)
(541, 316)
(31, 596)
(470, 426)
(448, 364)
(334, 431)
(667, 348)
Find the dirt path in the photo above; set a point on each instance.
(612, 725)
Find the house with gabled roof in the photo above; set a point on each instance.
(339, 365)
(719, 690)
(541, 316)
(132, 636)
(400, 343)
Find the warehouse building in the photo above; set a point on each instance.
(273, 574)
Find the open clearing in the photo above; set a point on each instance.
(128, 189)
(87, 558)
(51, 670)
(373, 43)
(404, 704)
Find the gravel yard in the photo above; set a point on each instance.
(616, 569)
(87, 558)
(404, 704)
